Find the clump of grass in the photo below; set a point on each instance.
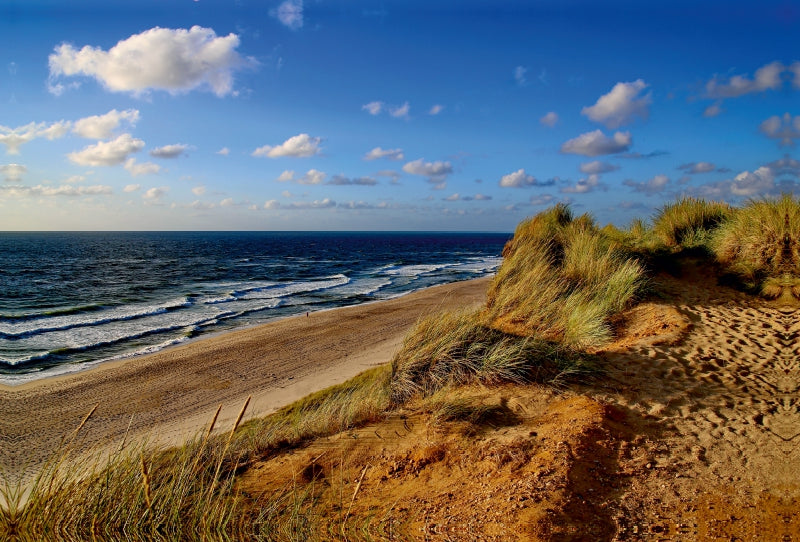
(689, 222)
(452, 349)
(760, 243)
(562, 279)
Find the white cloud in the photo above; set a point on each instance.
(785, 128)
(14, 138)
(227, 202)
(401, 111)
(544, 199)
(436, 109)
(620, 105)
(312, 176)
(520, 75)
(459, 197)
(199, 190)
(107, 153)
(390, 154)
(518, 179)
(373, 108)
(436, 172)
(169, 151)
(654, 186)
(326, 203)
(748, 184)
(103, 126)
(697, 167)
(176, 60)
(154, 195)
(13, 172)
(596, 143)
(549, 119)
(290, 14)
(341, 180)
(588, 184)
(75, 179)
(198, 205)
(145, 168)
(65, 190)
(767, 77)
(393, 176)
(224, 151)
(301, 145)
(597, 167)
(132, 188)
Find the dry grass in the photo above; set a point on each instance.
(452, 349)
(689, 222)
(760, 243)
(561, 280)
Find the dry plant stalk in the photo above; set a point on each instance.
(146, 483)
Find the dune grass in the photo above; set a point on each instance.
(562, 279)
(689, 222)
(760, 244)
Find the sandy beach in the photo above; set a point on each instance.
(169, 396)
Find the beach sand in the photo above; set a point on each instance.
(170, 396)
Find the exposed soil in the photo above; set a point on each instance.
(690, 433)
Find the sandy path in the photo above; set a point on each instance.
(724, 405)
(170, 395)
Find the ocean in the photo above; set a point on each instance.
(69, 301)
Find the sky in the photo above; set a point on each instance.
(388, 115)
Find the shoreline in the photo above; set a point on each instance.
(170, 395)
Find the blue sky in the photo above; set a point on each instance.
(388, 115)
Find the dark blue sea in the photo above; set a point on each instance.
(72, 300)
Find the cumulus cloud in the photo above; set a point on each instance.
(795, 69)
(750, 184)
(654, 186)
(175, 60)
(436, 109)
(436, 172)
(597, 167)
(224, 151)
(169, 151)
(144, 168)
(13, 173)
(392, 175)
(199, 190)
(290, 14)
(697, 167)
(518, 179)
(620, 105)
(103, 126)
(373, 108)
(597, 143)
(400, 111)
(549, 119)
(14, 138)
(341, 180)
(520, 75)
(132, 188)
(312, 176)
(390, 154)
(587, 184)
(65, 190)
(107, 153)
(784, 128)
(227, 202)
(153, 195)
(767, 77)
(300, 146)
